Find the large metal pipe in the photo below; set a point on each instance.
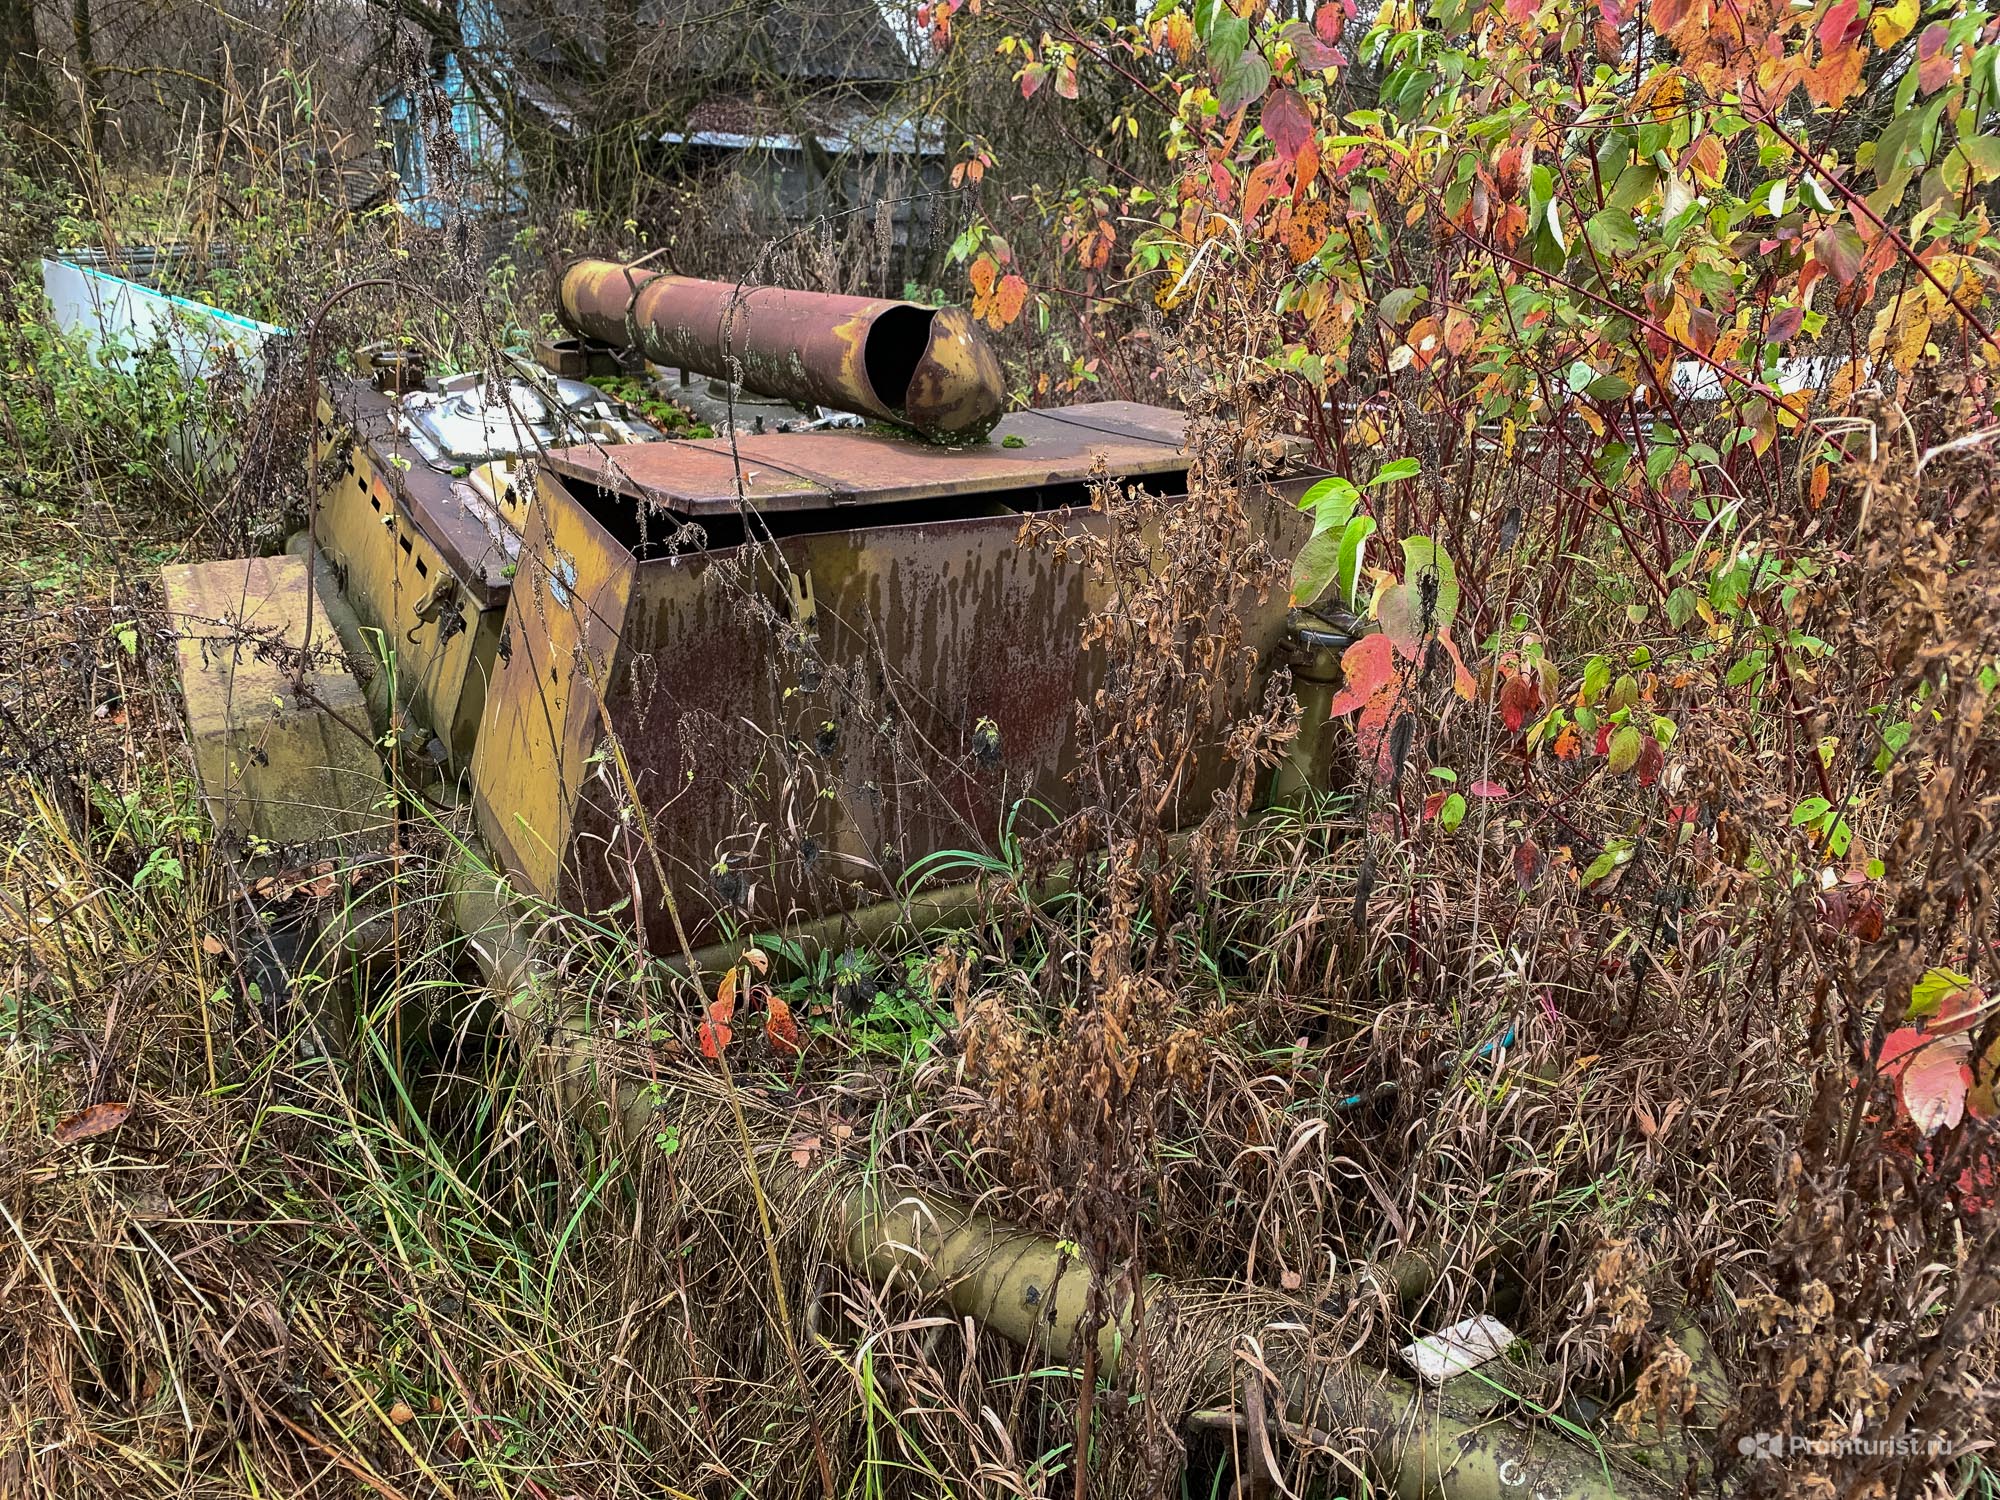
(922, 367)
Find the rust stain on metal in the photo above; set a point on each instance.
(784, 778)
(811, 470)
(923, 367)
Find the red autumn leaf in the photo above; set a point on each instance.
(1527, 864)
(1492, 789)
(1313, 52)
(1032, 78)
(780, 1030)
(1371, 683)
(1897, 1048)
(1520, 12)
(1329, 20)
(1931, 1073)
(1066, 81)
(1652, 761)
(1286, 123)
(1934, 57)
(1839, 26)
(1783, 325)
(713, 1037)
(1604, 738)
(99, 1119)
(1518, 700)
(1839, 249)
(1957, 1011)
(1431, 805)
(1934, 1085)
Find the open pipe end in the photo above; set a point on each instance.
(955, 392)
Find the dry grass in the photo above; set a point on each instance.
(421, 1269)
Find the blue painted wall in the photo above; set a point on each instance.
(496, 171)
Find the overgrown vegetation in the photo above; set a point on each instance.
(1632, 982)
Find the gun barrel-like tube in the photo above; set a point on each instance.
(926, 368)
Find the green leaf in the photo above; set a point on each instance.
(1397, 305)
(1624, 750)
(1541, 188)
(1396, 470)
(1634, 186)
(1353, 544)
(1611, 232)
(1330, 497)
(1609, 388)
(1617, 852)
(1422, 557)
(1976, 157)
(1596, 678)
(1245, 82)
(1937, 986)
(1315, 568)
(1227, 38)
(1810, 811)
(1452, 813)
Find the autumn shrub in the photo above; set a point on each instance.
(1652, 356)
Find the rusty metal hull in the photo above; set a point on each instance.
(784, 776)
(923, 367)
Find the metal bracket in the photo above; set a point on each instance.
(436, 597)
(805, 609)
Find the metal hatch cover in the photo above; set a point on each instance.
(820, 470)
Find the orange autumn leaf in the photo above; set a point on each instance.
(713, 1036)
(984, 272)
(780, 1030)
(724, 1008)
(1008, 299)
(1706, 160)
(1836, 79)
(99, 1119)
(1258, 189)
(1305, 167)
(1310, 224)
(1426, 341)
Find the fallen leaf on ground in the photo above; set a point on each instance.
(99, 1119)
